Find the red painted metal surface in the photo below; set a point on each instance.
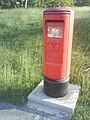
(58, 29)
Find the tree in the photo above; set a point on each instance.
(26, 3)
(8, 3)
(87, 2)
(82, 3)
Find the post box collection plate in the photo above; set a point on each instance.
(55, 32)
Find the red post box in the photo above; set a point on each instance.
(58, 31)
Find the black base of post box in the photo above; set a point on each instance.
(56, 88)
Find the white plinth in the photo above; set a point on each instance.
(60, 107)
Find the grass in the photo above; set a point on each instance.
(80, 68)
(21, 64)
(20, 53)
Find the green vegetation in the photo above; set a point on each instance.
(50, 3)
(33, 3)
(8, 4)
(82, 3)
(21, 53)
(80, 68)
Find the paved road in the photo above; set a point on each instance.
(13, 112)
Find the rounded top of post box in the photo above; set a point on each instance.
(58, 9)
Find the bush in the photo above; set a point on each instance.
(82, 3)
(5, 4)
(67, 2)
(8, 4)
(49, 3)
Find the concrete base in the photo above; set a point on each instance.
(61, 108)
